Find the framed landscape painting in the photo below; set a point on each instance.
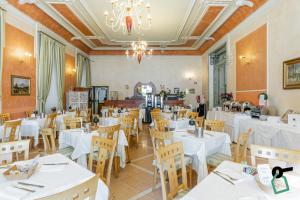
(20, 86)
(291, 74)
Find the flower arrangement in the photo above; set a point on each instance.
(227, 97)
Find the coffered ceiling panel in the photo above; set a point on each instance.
(178, 26)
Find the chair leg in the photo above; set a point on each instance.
(137, 137)
(190, 175)
(127, 154)
(154, 178)
(116, 166)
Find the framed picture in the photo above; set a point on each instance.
(176, 90)
(20, 86)
(291, 74)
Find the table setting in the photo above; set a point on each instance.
(234, 182)
(199, 147)
(80, 140)
(47, 179)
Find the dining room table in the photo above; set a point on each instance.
(55, 173)
(81, 141)
(229, 182)
(199, 147)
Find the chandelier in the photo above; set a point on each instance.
(128, 14)
(139, 50)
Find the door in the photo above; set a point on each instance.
(100, 95)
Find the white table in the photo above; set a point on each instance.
(215, 188)
(231, 120)
(200, 148)
(81, 142)
(55, 179)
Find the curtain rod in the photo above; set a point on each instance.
(52, 37)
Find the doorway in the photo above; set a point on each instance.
(218, 83)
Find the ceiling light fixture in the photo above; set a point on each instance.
(139, 50)
(128, 14)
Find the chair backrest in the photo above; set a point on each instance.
(111, 131)
(199, 121)
(110, 112)
(285, 155)
(51, 121)
(135, 113)
(159, 138)
(85, 190)
(48, 139)
(161, 124)
(242, 145)
(89, 115)
(156, 110)
(12, 128)
(192, 115)
(4, 117)
(127, 125)
(182, 113)
(77, 112)
(12, 147)
(168, 160)
(214, 125)
(155, 116)
(28, 113)
(105, 150)
(72, 123)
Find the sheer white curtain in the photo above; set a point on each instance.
(52, 99)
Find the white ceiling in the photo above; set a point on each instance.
(173, 21)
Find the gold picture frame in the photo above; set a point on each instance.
(20, 85)
(291, 74)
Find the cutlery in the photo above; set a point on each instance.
(223, 177)
(210, 134)
(231, 178)
(66, 163)
(30, 184)
(25, 189)
(4, 167)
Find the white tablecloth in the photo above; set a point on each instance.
(55, 179)
(200, 148)
(81, 142)
(215, 188)
(231, 121)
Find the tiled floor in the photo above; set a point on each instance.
(135, 180)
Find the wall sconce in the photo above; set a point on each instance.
(189, 76)
(246, 59)
(26, 56)
(74, 70)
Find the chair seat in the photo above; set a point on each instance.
(67, 151)
(216, 159)
(187, 160)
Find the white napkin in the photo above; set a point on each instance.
(11, 193)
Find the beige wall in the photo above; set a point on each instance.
(117, 71)
(283, 44)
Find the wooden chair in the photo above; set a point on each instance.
(12, 128)
(51, 122)
(102, 149)
(127, 126)
(88, 115)
(161, 125)
(240, 155)
(155, 116)
(182, 113)
(168, 158)
(13, 147)
(285, 155)
(135, 113)
(28, 113)
(49, 143)
(156, 110)
(85, 190)
(77, 112)
(112, 133)
(110, 112)
(5, 117)
(199, 121)
(161, 139)
(214, 125)
(72, 123)
(192, 115)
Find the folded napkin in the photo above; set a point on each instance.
(11, 193)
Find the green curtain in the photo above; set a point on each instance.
(88, 73)
(2, 42)
(51, 53)
(59, 58)
(80, 65)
